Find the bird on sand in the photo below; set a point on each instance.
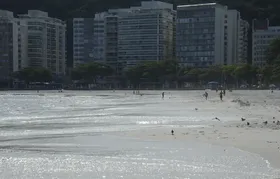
(217, 119)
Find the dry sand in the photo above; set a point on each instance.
(257, 138)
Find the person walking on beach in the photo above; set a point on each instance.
(162, 95)
(221, 95)
(205, 95)
(224, 92)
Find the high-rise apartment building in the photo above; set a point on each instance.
(200, 34)
(106, 38)
(111, 39)
(262, 36)
(46, 41)
(146, 33)
(99, 37)
(207, 34)
(127, 37)
(231, 37)
(83, 40)
(243, 42)
(9, 46)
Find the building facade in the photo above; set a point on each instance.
(262, 36)
(207, 34)
(243, 42)
(200, 34)
(146, 33)
(127, 37)
(106, 38)
(99, 37)
(83, 40)
(9, 47)
(46, 41)
(231, 37)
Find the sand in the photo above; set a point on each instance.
(257, 138)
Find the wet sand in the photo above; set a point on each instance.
(257, 138)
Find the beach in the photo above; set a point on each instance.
(258, 139)
(116, 134)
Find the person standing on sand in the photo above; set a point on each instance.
(162, 95)
(221, 95)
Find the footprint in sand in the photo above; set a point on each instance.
(272, 142)
(224, 137)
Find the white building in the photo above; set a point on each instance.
(9, 46)
(83, 40)
(106, 38)
(146, 33)
(262, 36)
(126, 37)
(46, 41)
(232, 30)
(207, 34)
(99, 37)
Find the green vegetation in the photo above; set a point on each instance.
(171, 72)
(161, 72)
(273, 61)
(33, 75)
(90, 72)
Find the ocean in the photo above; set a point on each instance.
(76, 135)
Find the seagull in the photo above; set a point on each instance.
(217, 119)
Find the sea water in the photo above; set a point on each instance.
(74, 135)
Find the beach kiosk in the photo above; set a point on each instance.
(213, 85)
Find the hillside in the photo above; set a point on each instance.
(66, 9)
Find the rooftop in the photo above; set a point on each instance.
(196, 5)
(7, 14)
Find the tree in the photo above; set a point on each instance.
(228, 72)
(135, 74)
(273, 51)
(89, 72)
(31, 74)
(275, 75)
(265, 73)
(153, 72)
(193, 74)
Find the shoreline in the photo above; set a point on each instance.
(127, 89)
(260, 140)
